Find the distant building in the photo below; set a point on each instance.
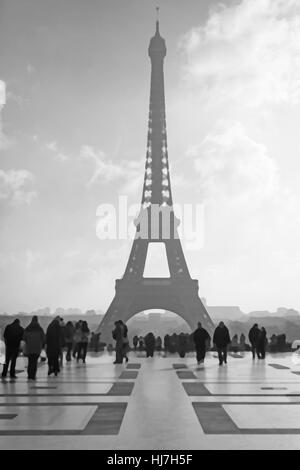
(292, 313)
(223, 313)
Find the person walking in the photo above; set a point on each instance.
(34, 338)
(54, 341)
(135, 342)
(166, 343)
(83, 343)
(118, 336)
(69, 335)
(149, 344)
(182, 344)
(76, 338)
(158, 344)
(261, 343)
(221, 339)
(141, 343)
(13, 335)
(125, 342)
(253, 338)
(201, 339)
(62, 327)
(234, 344)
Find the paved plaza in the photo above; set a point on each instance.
(159, 403)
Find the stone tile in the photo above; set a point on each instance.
(47, 418)
(214, 419)
(106, 420)
(265, 416)
(195, 389)
(185, 374)
(130, 374)
(121, 388)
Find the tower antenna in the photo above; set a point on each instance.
(157, 20)
(157, 13)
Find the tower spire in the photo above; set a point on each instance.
(157, 20)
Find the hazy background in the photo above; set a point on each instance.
(73, 135)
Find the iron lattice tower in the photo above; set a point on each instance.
(134, 293)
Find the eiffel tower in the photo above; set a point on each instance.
(135, 293)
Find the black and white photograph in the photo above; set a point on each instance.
(149, 228)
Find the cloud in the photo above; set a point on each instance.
(53, 147)
(30, 69)
(105, 170)
(247, 52)
(31, 258)
(15, 186)
(233, 167)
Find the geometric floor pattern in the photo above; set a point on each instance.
(155, 403)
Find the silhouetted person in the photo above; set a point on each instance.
(273, 343)
(253, 338)
(83, 343)
(34, 338)
(201, 339)
(54, 340)
(118, 335)
(13, 335)
(166, 343)
(135, 342)
(68, 335)
(141, 343)
(95, 342)
(261, 343)
(281, 342)
(182, 344)
(173, 343)
(242, 342)
(158, 343)
(76, 338)
(235, 344)
(149, 344)
(125, 342)
(221, 339)
(61, 354)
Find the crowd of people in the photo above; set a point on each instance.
(33, 340)
(75, 338)
(183, 343)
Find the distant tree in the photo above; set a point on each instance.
(90, 312)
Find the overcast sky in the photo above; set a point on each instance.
(73, 134)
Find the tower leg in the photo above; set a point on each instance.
(119, 309)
